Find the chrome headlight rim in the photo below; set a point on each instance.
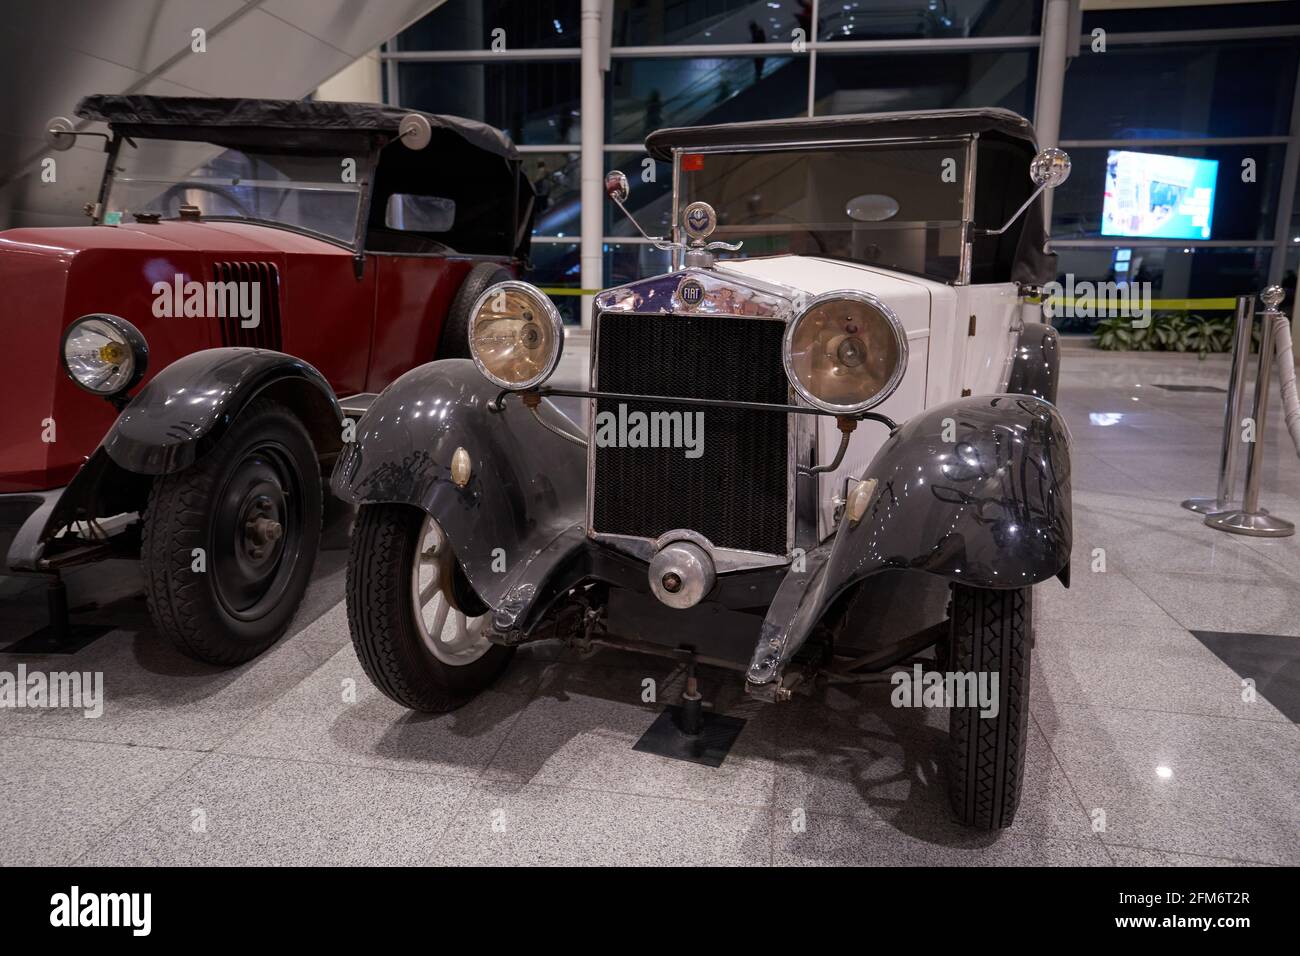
(548, 309)
(900, 338)
(131, 337)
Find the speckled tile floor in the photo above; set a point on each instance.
(1146, 747)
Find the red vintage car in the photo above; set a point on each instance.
(191, 362)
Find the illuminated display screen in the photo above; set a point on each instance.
(1158, 197)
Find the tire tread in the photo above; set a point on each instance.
(991, 631)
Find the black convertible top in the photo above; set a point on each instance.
(290, 124)
(1006, 146)
(860, 126)
(473, 164)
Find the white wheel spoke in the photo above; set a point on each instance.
(441, 607)
(461, 637)
(461, 640)
(428, 591)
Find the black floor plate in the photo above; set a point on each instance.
(1272, 661)
(44, 642)
(710, 747)
(1194, 388)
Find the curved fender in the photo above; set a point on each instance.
(976, 491)
(527, 486)
(187, 407)
(1036, 367)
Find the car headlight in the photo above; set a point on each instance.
(104, 354)
(845, 352)
(515, 335)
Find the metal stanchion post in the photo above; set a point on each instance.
(1222, 500)
(1252, 519)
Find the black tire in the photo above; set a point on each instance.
(991, 631)
(381, 617)
(454, 341)
(242, 602)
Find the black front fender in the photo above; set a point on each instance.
(1036, 367)
(976, 491)
(189, 405)
(513, 522)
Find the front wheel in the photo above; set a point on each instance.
(991, 633)
(419, 630)
(229, 542)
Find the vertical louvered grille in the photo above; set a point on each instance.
(266, 334)
(735, 493)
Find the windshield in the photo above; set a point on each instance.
(306, 192)
(895, 206)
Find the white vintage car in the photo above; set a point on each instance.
(811, 460)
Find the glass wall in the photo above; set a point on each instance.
(472, 25)
(884, 82)
(535, 102)
(1171, 90)
(1209, 86)
(1179, 142)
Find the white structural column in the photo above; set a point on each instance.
(593, 154)
(1285, 207)
(1053, 56)
(1286, 201)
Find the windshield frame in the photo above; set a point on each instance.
(968, 142)
(365, 180)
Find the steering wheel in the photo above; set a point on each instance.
(174, 192)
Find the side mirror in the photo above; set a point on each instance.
(60, 134)
(1047, 170)
(414, 131)
(616, 187)
(1050, 168)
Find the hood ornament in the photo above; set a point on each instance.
(699, 220)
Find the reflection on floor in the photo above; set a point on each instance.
(1146, 745)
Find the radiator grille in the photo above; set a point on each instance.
(735, 492)
(266, 334)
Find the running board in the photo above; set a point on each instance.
(357, 405)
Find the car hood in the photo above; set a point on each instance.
(910, 297)
(210, 236)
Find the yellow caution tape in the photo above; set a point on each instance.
(1099, 302)
(557, 291)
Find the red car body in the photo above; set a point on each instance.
(360, 334)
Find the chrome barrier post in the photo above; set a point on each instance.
(1222, 500)
(1252, 519)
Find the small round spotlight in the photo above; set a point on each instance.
(104, 354)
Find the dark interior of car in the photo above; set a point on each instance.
(491, 215)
